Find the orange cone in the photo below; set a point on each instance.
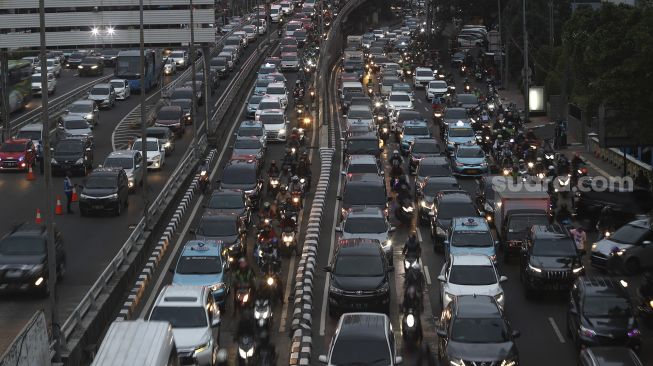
(58, 209)
(74, 197)
(38, 216)
(30, 173)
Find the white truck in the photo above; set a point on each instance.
(355, 41)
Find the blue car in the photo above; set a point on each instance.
(203, 263)
(469, 161)
(459, 134)
(470, 235)
(412, 130)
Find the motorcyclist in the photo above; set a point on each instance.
(287, 224)
(295, 185)
(267, 233)
(304, 168)
(294, 136)
(606, 219)
(204, 175)
(272, 267)
(273, 170)
(396, 159)
(412, 300)
(563, 165)
(530, 135)
(289, 161)
(243, 277)
(266, 212)
(576, 161)
(283, 196)
(412, 248)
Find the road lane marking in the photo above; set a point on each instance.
(291, 272)
(561, 338)
(426, 109)
(595, 167)
(427, 274)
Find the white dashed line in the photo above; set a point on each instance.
(427, 275)
(561, 338)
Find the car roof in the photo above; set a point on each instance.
(241, 164)
(208, 248)
(32, 127)
(362, 159)
(441, 179)
(123, 153)
(365, 212)
(434, 160)
(105, 171)
(102, 85)
(362, 326)
(363, 178)
(84, 102)
(364, 247)
(602, 286)
(28, 229)
(455, 197)
(170, 108)
(250, 123)
(476, 306)
(415, 123)
(426, 140)
(182, 296)
(612, 356)
(470, 224)
(471, 260)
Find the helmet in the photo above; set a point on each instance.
(295, 178)
(499, 136)
(273, 162)
(538, 159)
(295, 130)
(304, 154)
(242, 263)
(551, 167)
(521, 160)
(395, 152)
(266, 205)
(288, 151)
(283, 188)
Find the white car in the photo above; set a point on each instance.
(53, 65)
(121, 86)
(36, 84)
(243, 38)
(276, 124)
(278, 90)
(250, 30)
(155, 152)
(194, 317)
(436, 88)
(262, 27)
(169, 66)
(289, 61)
(267, 103)
(470, 274)
(423, 76)
(398, 100)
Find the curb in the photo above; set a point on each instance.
(149, 270)
(302, 318)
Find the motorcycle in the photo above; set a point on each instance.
(204, 181)
(246, 350)
(411, 327)
(413, 275)
(296, 199)
(262, 313)
(288, 241)
(273, 185)
(243, 297)
(405, 211)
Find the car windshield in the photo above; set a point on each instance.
(30, 135)
(101, 182)
(117, 84)
(435, 170)
(217, 227)
(563, 247)
(399, 98)
(289, 58)
(225, 201)
(76, 56)
(455, 114)
(276, 90)
(437, 85)
(467, 99)
(524, 223)
(255, 100)
(368, 351)
(629, 234)
(470, 153)
(248, 144)
(15, 245)
(263, 82)
(606, 307)
(249, 131)
(183, 103)
(472, 275)
(75, 124)
(433, 187)
(199, 265)
(177, 54)
(300, 34)
(358, 225)
(269, 105)
(239, 176)
(423, 73)
(182, 94)
(69, 146)
(271, 119)
(426, 148)
(362, 168)
(125, 163)
(79, 108)
(449, 210)
(151, 145)
(221, 61)
(168, 114)
(416, 130)
(471, 239)
(368, 194)
(360, 114)
(36, 78)
(479, 330)
(359, 266)
(181, 316)
(362, 146)
(100, 91)
(402, 87)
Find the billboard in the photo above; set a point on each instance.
(32, 346)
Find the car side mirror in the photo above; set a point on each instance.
(339, 198)
(88, 149)
(392, 229)
(441, 278)
(327, 269)
(503, 279)
(338, 229)
(398, 360)
(323, 359)
(216, 322)
(516, 334)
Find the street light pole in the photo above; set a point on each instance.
(526, 75)
(49, 215)
(193, 76)
(4, 70)
(500, 44)
(146, 201)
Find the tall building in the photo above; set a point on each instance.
(93, 23)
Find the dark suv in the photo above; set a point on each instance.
(608, 356)
(549, 259)
(359, 277)
(24, 258)
(106, 189)
(473, 330)
(447, 205)
(243, 175)
(72, 155)
(600, 313)
(364, 190)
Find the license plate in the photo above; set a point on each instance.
(15, 273)
(472, 171)
(98, 207)
(9, 165)
(358, 306)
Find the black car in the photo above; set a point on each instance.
(186, 107)
(224, 228)
(549, 259)
(437, 166)
(219, 65)
(363, 190)
(362, 145)
(449, 204)
(165, 135)
(105, 190)
(243, 175)
(91, 66)
(74, 155)
(600, 314)
(428, 189)
(359, 277)
(184, 92)
(608, 356)
(214, 80)
(229, 202)
(421, 149)
(473, 330)
(109, 56)
(75, 59)
(626, 204)
(23, 258)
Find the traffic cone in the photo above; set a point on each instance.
(58, 209)
(74, 197)
(30, 173)
(38, 216)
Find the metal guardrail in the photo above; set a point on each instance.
(616, 158)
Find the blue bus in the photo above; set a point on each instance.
(128, 67)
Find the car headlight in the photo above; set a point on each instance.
(282, 131)
(587, 332)
(410, 320)
(80, 67)
(499, 297)
(218, 286)
(578, 269)
(508, 363)
(167, 144)
(534, 269)
(427, 205)
(203, 347)
(335, 290)
(457, 363)
(88, 116)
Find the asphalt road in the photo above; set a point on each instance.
(90, 242)
(541, 320)
(282, 312)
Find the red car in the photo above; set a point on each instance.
(17, 154)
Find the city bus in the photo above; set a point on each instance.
(19, 80)
(128, 67)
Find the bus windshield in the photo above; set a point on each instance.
(128, 66)
(19, 84)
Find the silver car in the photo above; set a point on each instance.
(75, 127)
(85, 109)
(104, 95)
(131, 161)
(368, 223)
(121, 86)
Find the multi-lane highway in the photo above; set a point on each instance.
(90, 242)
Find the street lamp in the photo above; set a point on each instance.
(111, 31)
(95, 31)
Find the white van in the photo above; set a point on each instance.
(276, 13)
(351, 86)
(138, 343)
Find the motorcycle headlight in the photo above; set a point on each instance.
(410, 320)
(261, 314)
(408, 209)
(508, 363)
(270, 281)
(246, 354)
(377, 104)
(650, 303)
(425, 204)
(457, 363)
(530, 164)
(577, 269)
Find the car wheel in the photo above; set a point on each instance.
(118, 210)
(632, 266)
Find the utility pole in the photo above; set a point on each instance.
(4, 70)
(49, 215)
(206, 50)
(526, 75)
(193, 76)
(500, 44)
(551, 30)
(146, 200)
